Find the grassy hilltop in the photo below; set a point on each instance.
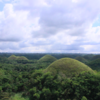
(45, 61)
(21, 58)
(67, 67)
(47, 58)
(13, 57)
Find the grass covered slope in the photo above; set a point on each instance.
(67, 67)
(47, 58)
(21, 58)
(12, 57)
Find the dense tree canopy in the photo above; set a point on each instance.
(27, 81)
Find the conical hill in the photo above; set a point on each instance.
(47, 58)
(12, 57)
(67, 67)
(21, 58)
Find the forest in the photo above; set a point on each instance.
(49, 76)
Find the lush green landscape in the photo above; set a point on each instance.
(49, 76)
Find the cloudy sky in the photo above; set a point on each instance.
(50, 26)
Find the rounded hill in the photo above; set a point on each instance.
(21, 58)
(47, 58)
(81, 59)
(95, 64)
(96, 57)
(67, 67)
(12, 57)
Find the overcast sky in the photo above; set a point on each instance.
(50, 26)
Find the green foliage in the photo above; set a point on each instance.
(34, 84)
(46, 92)
(36, 96)
(84, 98)
(18, 97)
(4, 96)
(95, 64)
(45, 86)
(81, 59)
(89, 56)
(96, 57)
(4, 60)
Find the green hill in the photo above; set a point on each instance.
(67, 67)
(81, 59)
(47, 58)
(12, 57)
(96, 57)
(21, 58)
(95, 64)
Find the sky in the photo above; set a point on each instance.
(50, 26)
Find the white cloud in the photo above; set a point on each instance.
(13, 25)
(43, 25)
